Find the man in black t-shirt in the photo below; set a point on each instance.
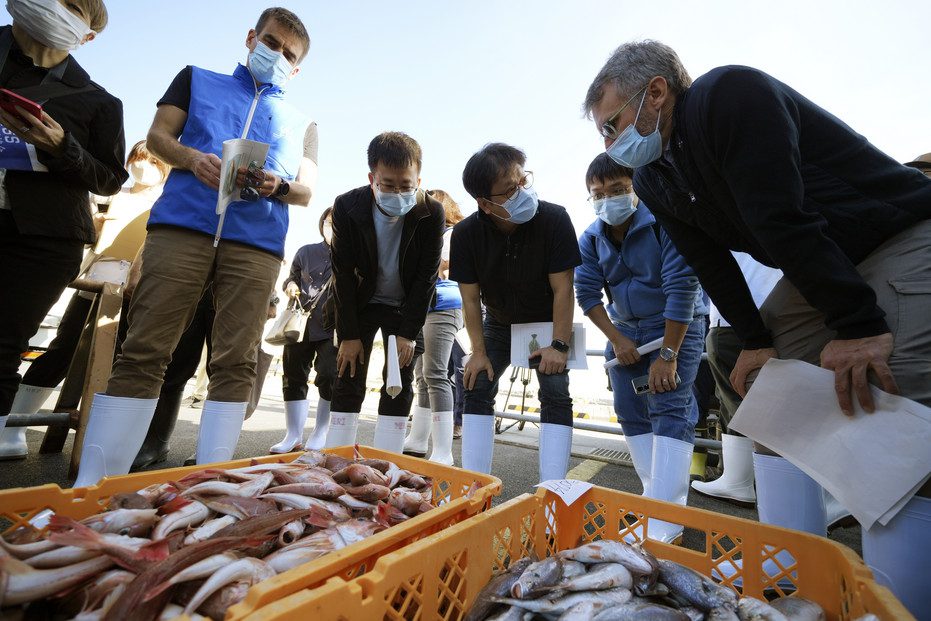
(517, 255)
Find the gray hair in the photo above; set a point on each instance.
(632, 66)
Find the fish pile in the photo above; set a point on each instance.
(614, 581)
(196, 545)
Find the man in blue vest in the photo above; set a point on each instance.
(187, 245)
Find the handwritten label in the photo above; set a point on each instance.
(569, 490)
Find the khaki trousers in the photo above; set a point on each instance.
(176, 266)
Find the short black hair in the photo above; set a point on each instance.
(603, 168)
(487, 165)
(394, 150)
(290, 21)
(323, 217)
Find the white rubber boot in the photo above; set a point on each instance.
(554, 450)
(389, 433)
(28, 400)
(736, 482)
(478, 442)
(442, 434)
(786, 497)
(317, 438)
(295, 413)
(835, 514)
(898, 555)
(342, 430)
(641, 453)
(669, 481)
(416, 442)
(116, 428)
(220, 425)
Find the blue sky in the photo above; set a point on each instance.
(456, 75)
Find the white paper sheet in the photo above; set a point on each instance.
(569, 490)
(528, 337)
(393, 383)
(871, 463)
(237, 153)
(643, 350)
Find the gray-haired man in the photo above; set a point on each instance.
(739, 161)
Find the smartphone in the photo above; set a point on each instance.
(9, 101)
(642, 384)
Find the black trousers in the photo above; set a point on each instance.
(296, 362)
(349, 392)
(50, 368)
(34, 272)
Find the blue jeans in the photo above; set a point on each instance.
(671, 414)
(555, 402)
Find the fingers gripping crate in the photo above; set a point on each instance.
(438, 577)
(451, 495)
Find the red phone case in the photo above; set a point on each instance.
(9, 101)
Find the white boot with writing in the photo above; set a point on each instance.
(389, 433)
(342, 431)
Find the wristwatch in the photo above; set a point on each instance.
(283, 188)
(668, 354)
(560, 346)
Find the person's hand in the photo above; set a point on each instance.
(272, 312)
(405, 351)
(99, 219)
(748, 361)
(851, 360)
(292, 290)
(45, 133)
(663, 376)
(264, 182)
(206, 167)
(350, 353)
(625, 350)
(552, 362)
(477, 363)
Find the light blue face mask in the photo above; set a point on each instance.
(396, 204)
(632, 150)
(268, 66)
(615, 210)
(522, 206)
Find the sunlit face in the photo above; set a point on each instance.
(616, 112)
(278, 39)
(395, 180)
(504, 187)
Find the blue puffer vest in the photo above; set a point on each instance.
(219, 109)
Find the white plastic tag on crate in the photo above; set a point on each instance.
(569, 490)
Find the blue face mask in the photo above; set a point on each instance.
(395, 204)
(615, 210)
(521, 207)
(268, 66)
(632, 150)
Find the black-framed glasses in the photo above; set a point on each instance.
(393, 189)
(609, 194)
(608, 129)
(526, 181)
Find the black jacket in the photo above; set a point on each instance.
(56, 203)
(354, 253)
(759, 168)
(310, 270)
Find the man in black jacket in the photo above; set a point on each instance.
(78, 144)
(740, 161)
(387, 238)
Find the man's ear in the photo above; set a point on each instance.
(658, 91)
(483, 205)
(371, 178)
(251, 39)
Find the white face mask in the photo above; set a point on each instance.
(327, 232)
(145, 173)
(49, 23)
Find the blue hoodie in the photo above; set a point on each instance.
(648, 278)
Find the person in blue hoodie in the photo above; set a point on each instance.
(188, 243)
(652, 293)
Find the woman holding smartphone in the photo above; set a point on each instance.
(75, 146)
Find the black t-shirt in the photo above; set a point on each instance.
(512, 270)
(179, 96)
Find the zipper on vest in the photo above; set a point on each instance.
(245, 132)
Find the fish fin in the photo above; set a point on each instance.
(155, 551)
(472, 489)
(68, 532)
(356, 453)
(175, 504)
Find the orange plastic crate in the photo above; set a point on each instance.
(438, 577)
(450, 486)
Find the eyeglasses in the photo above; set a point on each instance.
(393, 189)
(525, 182)
(608, 130)
(609, 194)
